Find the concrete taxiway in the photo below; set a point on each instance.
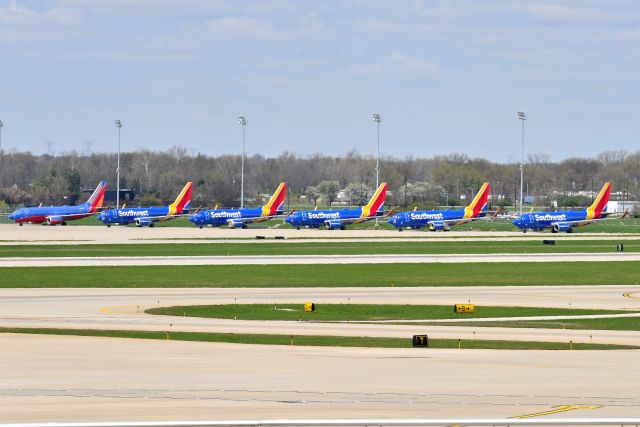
(48, 378)
(123, 309)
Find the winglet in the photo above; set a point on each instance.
(600, 203)
(276, 202)
(182, 201)
(97, 197)
(376, 204)
(479, 203)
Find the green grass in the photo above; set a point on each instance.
(612, 324)
(339, 275)
(360, 312)
(309, 340)
(262, 247)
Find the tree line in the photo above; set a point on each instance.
(30, 179)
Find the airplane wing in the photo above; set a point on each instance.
(361, 220)
(252, 219)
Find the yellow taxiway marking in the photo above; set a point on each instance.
(630, 295)
(108, 309)
(557, 410)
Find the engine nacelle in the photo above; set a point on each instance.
(54, 220)
(438, 225)
(236, 223)
(561, 227)
(334, 225)
(143, 222)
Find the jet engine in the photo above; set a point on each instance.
(236, 223)
(335, 225)
(438, 225)
(144, 222)
(55, 220)
(561, 227)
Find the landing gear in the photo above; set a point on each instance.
(201, 227)
(297, 228)
(152, 225)
(343, 227)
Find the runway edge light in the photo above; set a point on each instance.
(464, 308)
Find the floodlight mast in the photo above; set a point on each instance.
(118, 124)
(377, 118)
(1, 125)
(243, 121)
(521, 116)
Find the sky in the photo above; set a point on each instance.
(446, 76)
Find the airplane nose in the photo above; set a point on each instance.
(193, 218)
(12, 216)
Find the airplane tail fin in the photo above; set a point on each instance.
(96, 199)
(479, 202)
(182, 201)
(376, 204)
(275, 204)
(600, 203)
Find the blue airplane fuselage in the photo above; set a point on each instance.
(420, 219)
(139, 216)
(220, 217)
(329, 217)
(562, 221)
(56, 214)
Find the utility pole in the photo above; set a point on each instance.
(119, 126)
(243, 121)
(521, 116)
(377, 118)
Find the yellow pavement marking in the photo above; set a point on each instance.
(558, 409)
(630, 295)
(108, 309)
(555, 410)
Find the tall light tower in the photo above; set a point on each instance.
(521, 116)
(119, 126)
(1, 125)
(243, 121)
(377, 118)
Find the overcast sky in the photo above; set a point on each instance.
(446, 76)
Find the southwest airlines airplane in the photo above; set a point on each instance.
(143, 217)
(240, 218)
(54, 215)
(339, 219)
(442, 219)
(566, 220)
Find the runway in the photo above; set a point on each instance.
(124, 309)
(12, 234)
(80, 378)
(314, 259)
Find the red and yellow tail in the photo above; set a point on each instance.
(276, 202)
(97, 197)
(600, 203)
(182, 201)
(376, 204)
(479, 203)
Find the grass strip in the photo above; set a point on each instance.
(340, 275)
(324, 341)
(315, 248)
(360, 312)
(611, 324)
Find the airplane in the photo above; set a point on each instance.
(339, 219)
(240, 218)
(442, 219)
(565, 221)
(147, 217)
(54, 215)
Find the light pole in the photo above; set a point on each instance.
(521, 116)
(377, 118)
(243, 121)
(1, 125)
(119, 126)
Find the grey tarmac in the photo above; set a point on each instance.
(108, 379)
